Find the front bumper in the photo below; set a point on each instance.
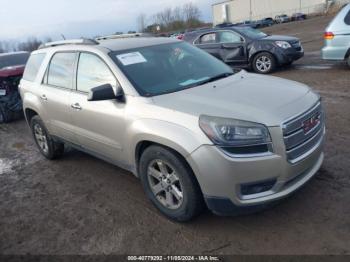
(222, 177)
(289, 55)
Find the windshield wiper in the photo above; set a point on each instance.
(214, 78)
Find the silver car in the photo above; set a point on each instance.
(194, 131)
(337, 37)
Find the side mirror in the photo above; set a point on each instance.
(120, 96)
(105, 92)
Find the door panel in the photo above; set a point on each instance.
(233, 47)
(209, 43)
(56, 105)
(99, 125)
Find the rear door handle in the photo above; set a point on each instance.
(76, 106)
(43, 97)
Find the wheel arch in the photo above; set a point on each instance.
(29, 114)
(347, 55)
(253, 55)
(143, 145)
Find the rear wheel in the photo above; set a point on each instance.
(170, 184)
(264, 63)
(2, 117)
(47, 146)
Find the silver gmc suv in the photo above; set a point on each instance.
(196, 132)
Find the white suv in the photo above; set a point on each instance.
(195, 132)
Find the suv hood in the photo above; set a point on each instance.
(281, 38)
(251, 97)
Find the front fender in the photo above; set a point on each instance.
(258, 47)
(174, 136)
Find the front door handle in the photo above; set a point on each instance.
(43, 97)
(76, 106)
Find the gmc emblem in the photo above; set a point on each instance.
(311, 123)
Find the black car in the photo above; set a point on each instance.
(243, 46)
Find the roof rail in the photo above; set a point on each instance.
(82, 41)
(122, 36)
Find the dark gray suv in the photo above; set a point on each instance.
(244, 46)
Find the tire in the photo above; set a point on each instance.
(2, 117)
(181, 182)
(46, 144)
(348, 61)
(264, 63)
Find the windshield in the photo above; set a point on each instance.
(168, 68)
(13, 59)
(251, 32)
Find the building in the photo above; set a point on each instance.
(240, 10)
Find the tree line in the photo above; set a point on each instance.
(170, 19)
(29, 45)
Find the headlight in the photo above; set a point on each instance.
(283, 44)
(236, 133)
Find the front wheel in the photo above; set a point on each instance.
(264, 63)
(170, 184)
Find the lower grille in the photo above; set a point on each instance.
(303, 133)
(296, 45)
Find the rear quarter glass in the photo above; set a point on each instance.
(33, 65)
(347, 18)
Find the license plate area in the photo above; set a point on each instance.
(2, 92)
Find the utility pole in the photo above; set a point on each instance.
(300, 5)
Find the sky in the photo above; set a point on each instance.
(20, 19)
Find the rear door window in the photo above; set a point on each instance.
(93, 72)
(208, 39)
(61, 70)
(33, 66)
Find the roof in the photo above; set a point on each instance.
(123, 36)
(109, 44)
(131, 43)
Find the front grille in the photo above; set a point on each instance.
(298, 138)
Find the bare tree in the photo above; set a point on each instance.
(176, 19)
(30, 45)
(191, 13)
(141, 22)
(167, 16)
(178, 14)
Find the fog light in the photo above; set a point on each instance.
(256, 188)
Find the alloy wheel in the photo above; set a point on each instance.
(263, 64)
(41, 138)
(165, 184)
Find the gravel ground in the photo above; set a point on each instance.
(82, 205)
